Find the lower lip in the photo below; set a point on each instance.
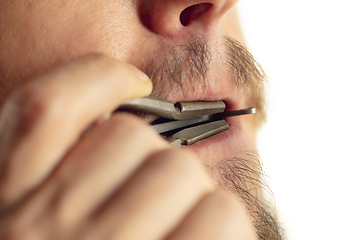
(223, 142)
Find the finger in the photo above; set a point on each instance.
(153, 201)
(44, 119)
(217, 216)
(96, 168)
(87, 176)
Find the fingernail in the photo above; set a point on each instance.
(103, 118)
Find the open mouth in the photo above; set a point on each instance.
(183, 123)
(185, 132)
(197, 130)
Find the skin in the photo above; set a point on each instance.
(58, 59)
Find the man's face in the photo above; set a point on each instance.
(155, 36)
(182, 45)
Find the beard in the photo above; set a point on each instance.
(184, 69)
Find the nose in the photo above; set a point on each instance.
(170, 17)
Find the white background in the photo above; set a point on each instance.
(310, 144)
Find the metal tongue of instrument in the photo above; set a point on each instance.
(187, 122)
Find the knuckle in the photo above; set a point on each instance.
(227, 204)
(188, 164)
(236, 216)
(184, 166)
(34, 103)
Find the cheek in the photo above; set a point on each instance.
(37, 36)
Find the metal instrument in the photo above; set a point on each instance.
(185, 123)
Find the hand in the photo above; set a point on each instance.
(121, 180)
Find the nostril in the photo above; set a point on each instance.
(191, 13)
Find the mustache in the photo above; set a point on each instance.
(184, 68)
(249, 74)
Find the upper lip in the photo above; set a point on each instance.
(232, 99)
